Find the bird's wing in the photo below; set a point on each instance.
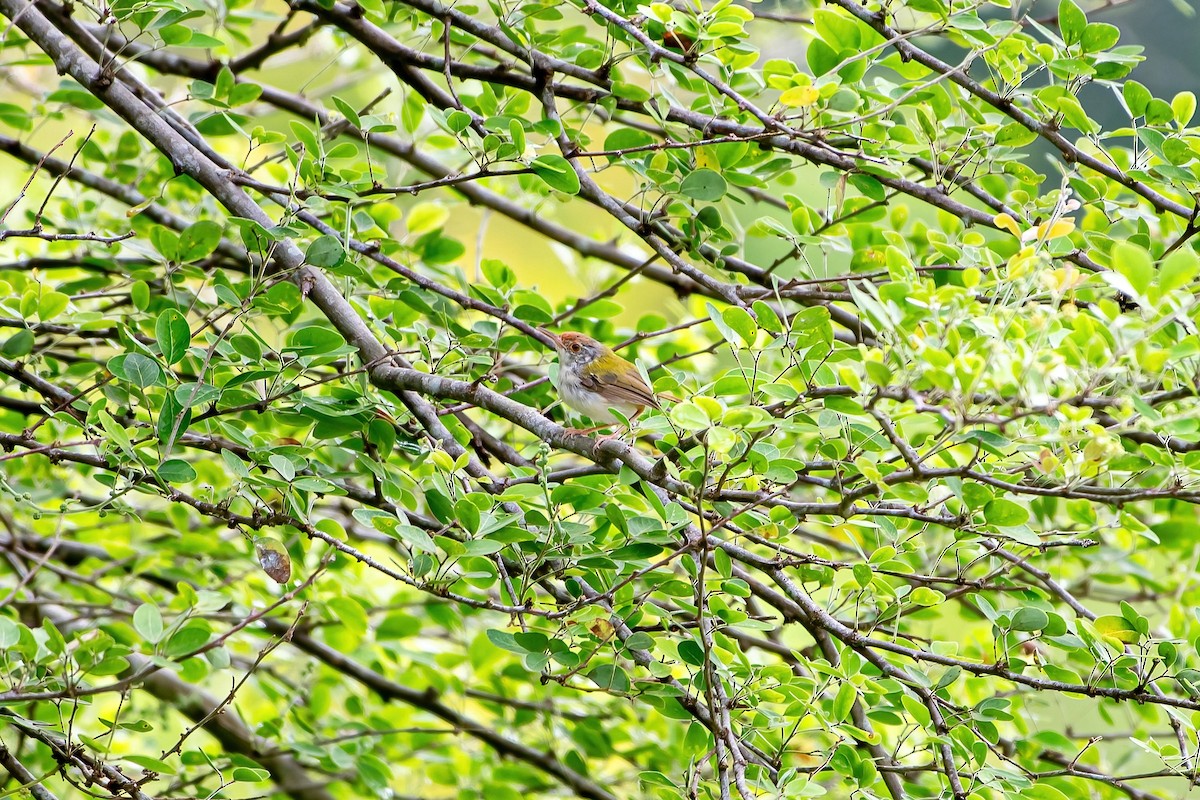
(627, 387)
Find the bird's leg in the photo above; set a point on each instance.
(585, 431)
(614, 435)
(621, 429)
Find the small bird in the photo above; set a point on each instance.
(593, 380)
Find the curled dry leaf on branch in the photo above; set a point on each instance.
(288, 502)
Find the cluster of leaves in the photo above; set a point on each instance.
(919, 526)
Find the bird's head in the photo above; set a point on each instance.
(576, 350)
(583, 354)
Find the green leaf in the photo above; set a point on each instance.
(244, 93)
(1098, 36)
(533, 642)
(117, 433)
(1137, 97)
(142, 371)
(625, 139)
(75, 97)
(1029, 619)
(691, 652)
(1158, 112)
(166, 242)
(736, 587)
(109, 666)
(1118, 628)
(191, 395)
(1071, 22)
(739, 319)
(177, 35)
(768, 320)
(821, 57)
(425, 217)
(194, 634)
(173, 420)
(505, 641)
(843, 703)
(439, 249)
(1135, 264)
(16, 116)
(234, 465)
(1184, 107)
(247, 345)
(250, 775)
(948, 677)
(1074, 115)
(19, 344)
(199, 39)
(198, 240)
(314, 340)
(922, 595)
(348, 111)
(305, 136)
(458, 121)
(412, 112)
(51, 304)
(516, 133)
(283, 466)
(150, 764)
(557, 173)
(610, 677)
(705, 185)
(139, 295)
(639, 641)
(202, 90)
(325, 252)
(174, 336)
(10, 633)
(718, 319)
(1014, 135)
(498, 274)
(176, 470)
(1178, 270)
(837, 28)
(688, 416)
(1005, 513)
(1042, 791)
(414, 537)
(148, 622)
(630, 91)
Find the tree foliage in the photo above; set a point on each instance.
(288, 507)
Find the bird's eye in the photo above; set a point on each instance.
(575, 348)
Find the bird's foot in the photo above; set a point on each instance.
(583, 431)
(602, 449)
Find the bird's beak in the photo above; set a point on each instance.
(554, 338)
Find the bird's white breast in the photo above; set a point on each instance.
(592, 404)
